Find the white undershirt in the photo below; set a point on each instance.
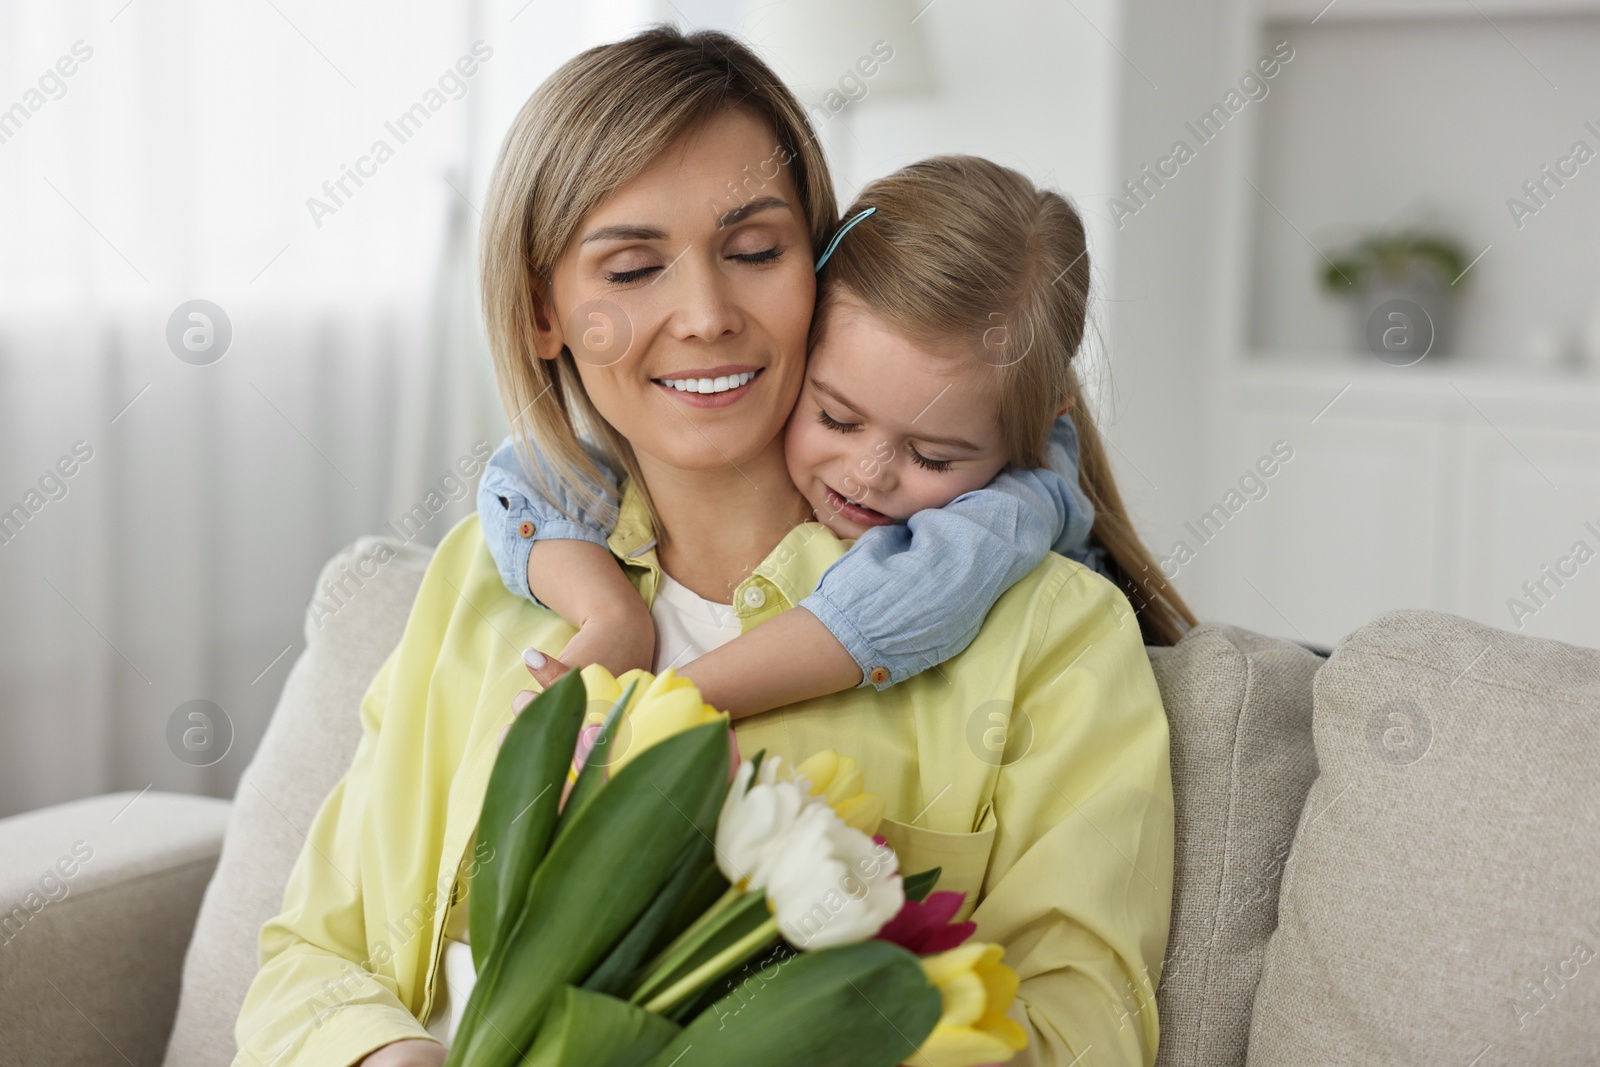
(687, 627)
(687, 624)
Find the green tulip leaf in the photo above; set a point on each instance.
(919, 885)
(861, 1005)
(661, 921)
(520, 806)
(587, 1029)
(598, 878)
(592, 775)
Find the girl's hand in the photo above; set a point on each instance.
(620, 639)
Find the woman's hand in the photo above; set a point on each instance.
(414, 1053)
(545, 670)
(548, 669)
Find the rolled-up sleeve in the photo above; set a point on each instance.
(1079, 886)
(513, 514)
(907, 597)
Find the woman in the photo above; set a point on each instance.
(1033, 769)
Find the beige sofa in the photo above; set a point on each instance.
(1388, 857)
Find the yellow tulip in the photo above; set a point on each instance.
(837, 780)
(600, 687)
(973, 1028)
(662, 706)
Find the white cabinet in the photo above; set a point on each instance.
(1530, 532)
(1430, 489)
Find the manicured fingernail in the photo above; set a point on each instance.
(522, 700)
(533, 658)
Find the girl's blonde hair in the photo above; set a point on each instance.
(593, 126)
(962, 247)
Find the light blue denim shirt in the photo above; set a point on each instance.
(905, 597)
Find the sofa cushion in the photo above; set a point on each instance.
(307, 747)
(1239, 709)
(1439, 905)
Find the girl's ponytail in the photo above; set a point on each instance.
(1163, 616)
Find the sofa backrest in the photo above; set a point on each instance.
(1239, 711)
(307, 747)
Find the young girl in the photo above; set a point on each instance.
(953, 494)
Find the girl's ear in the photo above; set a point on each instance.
(548, 339)
(1065, 407)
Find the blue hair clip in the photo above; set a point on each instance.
(834, 244)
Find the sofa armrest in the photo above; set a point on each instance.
(99, 898)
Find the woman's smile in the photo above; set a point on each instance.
(712, 387)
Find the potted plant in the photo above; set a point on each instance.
(1404, 287)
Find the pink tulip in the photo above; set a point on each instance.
(925, 928)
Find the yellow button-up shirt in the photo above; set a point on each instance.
(1033, 768)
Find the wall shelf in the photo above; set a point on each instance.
(1428, 377)
(1358, 10)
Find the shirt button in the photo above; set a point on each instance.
(879, 675)
(754, 596)
(526, 529)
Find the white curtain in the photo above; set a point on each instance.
(196, 151)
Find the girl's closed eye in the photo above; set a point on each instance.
(928, 463)
(834, 424)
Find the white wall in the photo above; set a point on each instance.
(1163, 300)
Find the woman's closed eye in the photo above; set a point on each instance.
(638, 274)
(766, 255)
(623, 277)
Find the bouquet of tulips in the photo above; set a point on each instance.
(654, 903)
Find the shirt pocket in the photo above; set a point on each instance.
(963, 859)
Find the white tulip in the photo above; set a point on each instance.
(826, 882)
(754, 817)
(829, 884)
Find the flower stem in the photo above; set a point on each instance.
(722, 904)
(717, 920)
(696, 979)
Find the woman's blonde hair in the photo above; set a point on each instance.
(960, 247)
(593, 126)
